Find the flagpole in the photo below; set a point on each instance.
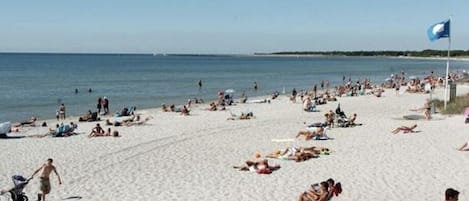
(447, 64)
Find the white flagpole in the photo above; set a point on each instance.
(447, 64)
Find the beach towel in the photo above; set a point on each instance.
(322, 137)
(312, 128)
(413, 117)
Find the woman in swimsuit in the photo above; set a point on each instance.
(428, 109)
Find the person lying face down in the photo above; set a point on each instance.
(299, 154)
(311, 134)
(261, 167)
(29, 122)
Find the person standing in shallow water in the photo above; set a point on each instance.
(99, 105)
(106, 105)
(62, 111)
(255, 86)
(200, 84)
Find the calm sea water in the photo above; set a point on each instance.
(34, 84)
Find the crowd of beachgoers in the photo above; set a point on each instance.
(107, 123)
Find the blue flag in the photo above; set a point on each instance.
(438, 30)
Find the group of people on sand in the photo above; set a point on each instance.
(98, 131)
(311, 99)
(184, 110)
(322, 192)
(60, 130)
(243, 116)
(134, 120)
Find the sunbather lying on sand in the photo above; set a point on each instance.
(138, 121)
(310, 134)
(243, 116)
(59, 131)
(261, 167)
(464, 147)
(298, 154)
(30, 122)
(135, 120)
(405, 129)
(106, 134)
(316, 195)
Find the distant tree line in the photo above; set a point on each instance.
(423, 53)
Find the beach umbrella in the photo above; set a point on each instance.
(388, 79)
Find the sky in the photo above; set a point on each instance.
(227, 27)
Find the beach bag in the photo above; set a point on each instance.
(337, 189)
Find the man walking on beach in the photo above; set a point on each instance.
(45, 187)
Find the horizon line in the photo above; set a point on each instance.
(212, 54)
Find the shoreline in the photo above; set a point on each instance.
(465, 58)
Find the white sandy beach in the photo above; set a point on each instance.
(178, 157)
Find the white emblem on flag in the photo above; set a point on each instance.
(438, 28)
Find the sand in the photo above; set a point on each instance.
(177, 157)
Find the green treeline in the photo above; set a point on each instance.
(423, 53)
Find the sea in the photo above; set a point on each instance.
(34, 84)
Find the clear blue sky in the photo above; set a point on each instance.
(221, 26)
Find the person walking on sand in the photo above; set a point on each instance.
(45, 186)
